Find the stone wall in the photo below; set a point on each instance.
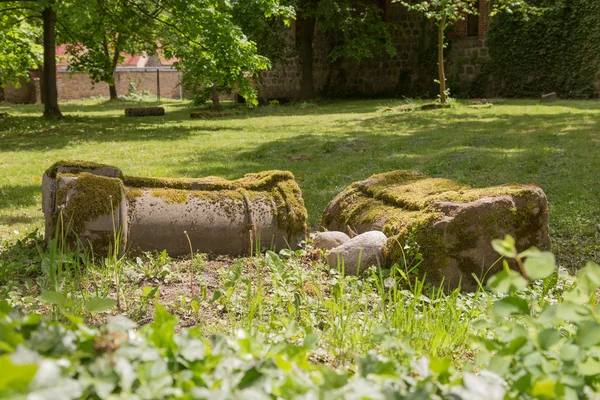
(415, 40)
(380, 76)
(464, 62)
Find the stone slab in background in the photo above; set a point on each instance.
(145, 112)
(486, 101)
(549, 97)
(450, 224)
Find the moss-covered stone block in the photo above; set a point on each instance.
(95, 202)
(450, 224)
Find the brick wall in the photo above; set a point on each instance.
(78, 85)
(459, 30)
(25, 93)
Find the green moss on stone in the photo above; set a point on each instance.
(291, 212)
(75, 167)
(171, 196)
(258, 181)
(133, 194)
(279, 186)
(407, 205)
(89, 197)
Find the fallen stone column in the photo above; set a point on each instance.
(263, 210)
(145, 112)
(450, 224)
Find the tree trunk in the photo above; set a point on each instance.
(216, 102)
(442, 74)
(307, 31)
(49, 82)
(112, 86)
(112, 91)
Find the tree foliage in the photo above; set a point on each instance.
(98, 32)
(20, 43)
(212, 51)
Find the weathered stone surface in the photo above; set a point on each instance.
(145, 112)
(50, 187)
(329, 240)
(452, 223)
(549, 97)
(217, 215)
(359, 253)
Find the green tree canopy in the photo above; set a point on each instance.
(20, 43)
(98, 32)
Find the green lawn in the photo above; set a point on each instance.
(326, 146)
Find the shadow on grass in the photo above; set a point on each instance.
(557, 152)
(17, 196)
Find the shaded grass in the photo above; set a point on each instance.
(326, 146)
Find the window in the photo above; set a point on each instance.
(473, 22)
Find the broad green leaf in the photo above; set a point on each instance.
(441, 367)
(505, 247)
(500, 364)
(508, 306)
(52, 297)
(310, 340)
(588, 334)
(590, 367)
(217, 294)
(544, 389)
(513, 346)
(549, 337)
(100, 304)
(507, 281)
(588, 278)
(572, 312)
(539, 265)
(250, 377)
(569, 352)
(15, 377)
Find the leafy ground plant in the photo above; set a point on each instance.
(538, 339)
(529, 348)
